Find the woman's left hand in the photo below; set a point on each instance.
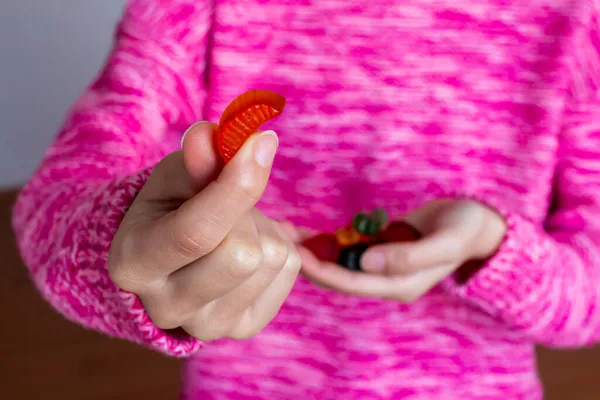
(454, 231)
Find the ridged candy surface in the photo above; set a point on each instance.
(244, 116)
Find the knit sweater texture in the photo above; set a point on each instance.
(390, 104)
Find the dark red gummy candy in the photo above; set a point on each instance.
(324, 246)
(399, 231)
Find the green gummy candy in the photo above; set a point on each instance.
(366, 225)
(381, 216)
(372, 228)
(360, 222)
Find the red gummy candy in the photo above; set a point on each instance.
(324, 246)
(366, 239)
(399, 231)
(243, 116)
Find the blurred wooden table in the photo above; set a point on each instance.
(45, 357)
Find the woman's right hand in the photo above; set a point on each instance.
(196, 251)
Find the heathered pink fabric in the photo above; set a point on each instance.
(390, 103)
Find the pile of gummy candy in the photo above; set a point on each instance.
(346, 246)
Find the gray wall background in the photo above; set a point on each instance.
(50, 50)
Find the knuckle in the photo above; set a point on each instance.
(294, 262)
(122, 273)
(395, 255)
(244, 190)
(165, 310)
(244, 257)
(402, 261)
(162, 318)
(250, 187)
(124, 279)
(275, 251)
(163, 321)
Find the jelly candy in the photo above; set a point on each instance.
(381, 216)
(359, 222)
(365, 225)
(399, 231)
(348, 244)
(243, 116)
(370, 224)
(347, 236)
(350, 256)
(366, 239)
(324, 246)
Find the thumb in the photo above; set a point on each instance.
(439, 248)
(204, 165)
(241, 182)
(450, 228)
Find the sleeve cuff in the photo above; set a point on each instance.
(503, 284)
(119, 313)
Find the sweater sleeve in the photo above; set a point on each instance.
(150, 89)
(544, 280)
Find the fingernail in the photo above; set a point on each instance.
(265, 147)
(373, 261)
(189, 130)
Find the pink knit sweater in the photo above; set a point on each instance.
(390, 103)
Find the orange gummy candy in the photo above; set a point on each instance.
(347, 236)
(243, 116)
